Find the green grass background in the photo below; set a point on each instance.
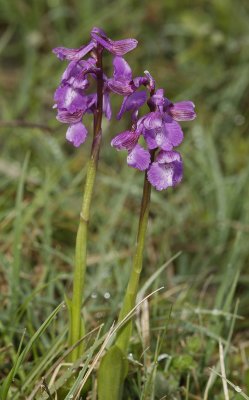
(196, 50)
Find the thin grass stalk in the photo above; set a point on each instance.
(77, 328)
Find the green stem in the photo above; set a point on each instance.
(77, 328)
(124, 334)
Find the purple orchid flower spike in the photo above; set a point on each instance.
(160, 131)
(71, 99)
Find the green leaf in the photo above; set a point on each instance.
(111, 375)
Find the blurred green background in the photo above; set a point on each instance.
(196, 50)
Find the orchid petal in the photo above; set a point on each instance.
(122, 86)
(139, 158)
(117, 47)
(64, 53)
(173, 130)
(182, 111)
(121, 69)
(132, 102)
(107, 106)
(76, 134)
(69, 118)
(162, 176)
(125, 140)
(153, 120)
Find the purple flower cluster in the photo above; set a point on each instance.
(159, 129)
(72, 99)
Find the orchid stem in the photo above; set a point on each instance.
(124, 334)
(77, 326)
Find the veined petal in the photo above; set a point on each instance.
(182, 111)
(125, 140)
(162, 176)
(157, 138)
(139, 81)
(69, 118)
(132, 102)
(74, 76)
(121, 69)
(139, 158)
(107, 106)
(168, 157)
(173, 131)
(122, 86)
(158, 98)
(153, 120)
(64, 53)
(76, 134)
(117, 47)
(66, 97)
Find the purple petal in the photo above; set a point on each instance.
(157, 138)
(117, 47)
(98, 31)
(122, 86)
(69, 98)
(151, 80)
(121, 69)
(150, 138)
(125, 140)
(173, 130)
(74, 76)
(158, 98)
(68, 118)
(139, 81)
(168, 157)
(139, 158)
(153, 120)
(182, 111)
(107, 106)
(64, 53)
(162, 176)
(132, 102)
(76, 134)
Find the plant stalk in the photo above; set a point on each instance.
(124, 334)
(77, 328)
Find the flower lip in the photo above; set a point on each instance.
(162, 175)
(77, 134)
(138, 158)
